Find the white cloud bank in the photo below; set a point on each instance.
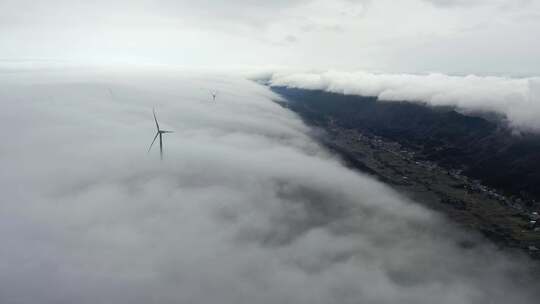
(245, 208)
(518, 99)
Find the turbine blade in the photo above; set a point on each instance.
(153, 142)
(165, 131)
(157, 124)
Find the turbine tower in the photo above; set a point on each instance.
(160, 134)
(214, 95)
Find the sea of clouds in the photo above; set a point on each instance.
(244, 208)
(516, 99)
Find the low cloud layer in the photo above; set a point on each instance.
(517, 99)
(245, 208)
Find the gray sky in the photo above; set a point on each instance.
(449, 36)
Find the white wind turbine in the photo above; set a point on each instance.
(160, 134)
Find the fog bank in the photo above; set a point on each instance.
(517, 99)
(245, 207)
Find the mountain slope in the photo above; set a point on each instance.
(483, 148)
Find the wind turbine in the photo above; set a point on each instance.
(214, 95)
(160, 134)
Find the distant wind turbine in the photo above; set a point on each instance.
(214, 95)
(160, 134)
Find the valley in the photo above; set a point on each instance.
(508, 220)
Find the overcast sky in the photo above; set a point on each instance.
(449, 36)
